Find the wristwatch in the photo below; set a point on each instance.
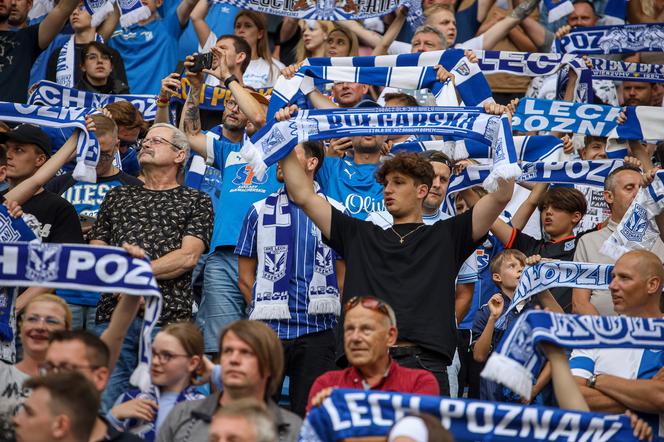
(229, 80)
(590, 382)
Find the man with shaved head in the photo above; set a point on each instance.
(613, 380)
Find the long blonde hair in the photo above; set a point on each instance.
(354, 44)
(300, 51)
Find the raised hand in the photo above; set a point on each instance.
(496, 304)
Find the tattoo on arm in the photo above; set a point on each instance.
(191, 116)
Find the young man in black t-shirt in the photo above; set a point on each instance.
(411, 266)
(561, 209)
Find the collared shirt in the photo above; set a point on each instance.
(305, 238)
(397, 379)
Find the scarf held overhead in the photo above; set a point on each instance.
(87, 268)
(356, 414)
(622, 39)
(274, 141)
(87, 151)
(517, 360)
(48, 93)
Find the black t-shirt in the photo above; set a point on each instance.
(53, 218)
(116, 59)
(417, 278)
(18, 50)
(562, 250)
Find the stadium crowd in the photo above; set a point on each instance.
(347, 264)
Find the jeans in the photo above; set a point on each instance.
(453, 375)
(306, 358)
(222, 302)
(417, 357)
(118, 382)
(83, 317)
(464, 371)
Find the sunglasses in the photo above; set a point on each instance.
(371, 303)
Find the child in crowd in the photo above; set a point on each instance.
(506, 269)
(177, 356)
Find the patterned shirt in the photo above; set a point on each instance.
(157, 221)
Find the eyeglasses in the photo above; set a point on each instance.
(231, 104)
(165, 357)
(371, 303)
(65, 367)
(156, 141)
(48, 320)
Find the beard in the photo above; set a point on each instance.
(367, 149)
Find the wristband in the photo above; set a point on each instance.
(229, 80)
(162, 102)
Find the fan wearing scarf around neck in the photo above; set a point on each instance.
(177, 358)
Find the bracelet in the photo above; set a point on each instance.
(162, 101)
(229, 80)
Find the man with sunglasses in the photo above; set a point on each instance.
(370, 331)
(171, 222)
(411, 265)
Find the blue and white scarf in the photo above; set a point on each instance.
(357, 414)
(274, 141)
(147, 430)
(48, 93)
(588, 173)
(528, 148)
(625, 39)
(638, 230)
(87, 268)
(623, 71)
(67, 64)
(517, 360)
(549, 274)
(132, 11)
(332, 10)
(276, 249)
(397, 72)
(87, 151)
(11, 230)
(99, 10)
(643, 122)
(558, 9)
(211, 97)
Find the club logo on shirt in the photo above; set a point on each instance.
(43, 262)
(482, 260)
(569, 245)
(274, 267)
(636, 225)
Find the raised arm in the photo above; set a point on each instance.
(121, 319)
(369, 38)
(527, 208)
(488, 209)
(392, 32)
(198, 21)
(26, 189)
(184, 11)
(301, 188)
(568, 393)
(503, 27)
(108, 26)
(54, 21)
(190, 119)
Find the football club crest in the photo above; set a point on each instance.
(274, 267)
(324, 263)
(636, 225)
(7, 232)
(273, 142)
(463, 69)
(43, 262)
(569, 245)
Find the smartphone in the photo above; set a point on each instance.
(202, 61)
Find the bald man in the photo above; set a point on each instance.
(614, 380)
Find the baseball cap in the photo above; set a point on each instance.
(29, 134)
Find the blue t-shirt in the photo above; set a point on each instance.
(240, 188)
(353, 185)
(306, 236)
(149, 52)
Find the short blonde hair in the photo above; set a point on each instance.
(55, 299)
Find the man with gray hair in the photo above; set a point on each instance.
(246, 420)
(171, 222)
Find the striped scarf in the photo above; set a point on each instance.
(67, 63)
(621, 39)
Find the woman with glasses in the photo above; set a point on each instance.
(41, 317)
(177, 358)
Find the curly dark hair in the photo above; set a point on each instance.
(409, 164)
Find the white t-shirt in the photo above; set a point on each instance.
(12, 396)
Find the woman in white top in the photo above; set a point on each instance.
(42, 316)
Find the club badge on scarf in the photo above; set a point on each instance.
(517, 360)
(276, 244)
(347, 414)
(275, 140)
(549, 274)
(132, 11)
(409, 71)
(331, 9)
(48, 93)
(623, 39)
(87, 268)
(11, 230)
(637, 229)
(87, 151)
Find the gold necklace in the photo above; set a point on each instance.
(401, 238)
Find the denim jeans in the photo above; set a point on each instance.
(83, 317)
(222, 301)
(118, 382)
